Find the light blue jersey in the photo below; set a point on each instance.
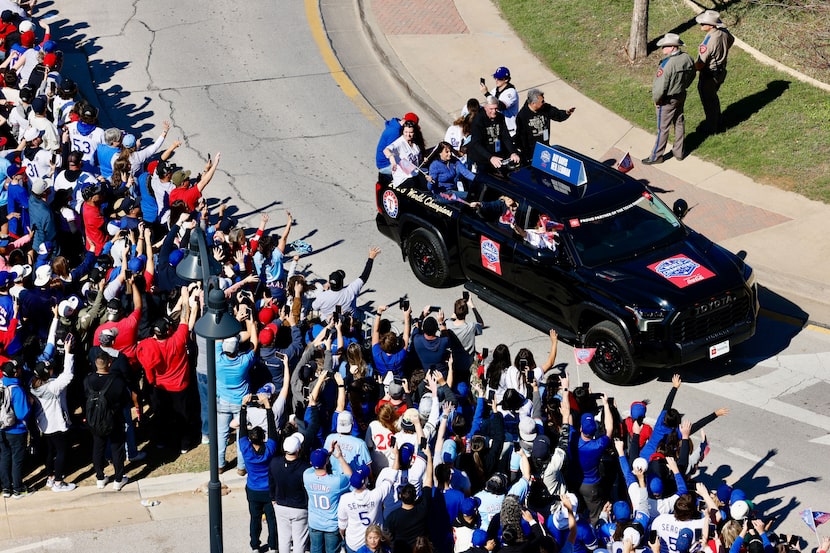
(354, 451)
(491, 503)
(324, 494)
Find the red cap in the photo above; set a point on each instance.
(266, 315)
(411, 117)
(27, 39)
(266, 336)
(50, 60)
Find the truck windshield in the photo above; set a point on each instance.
(624, 232)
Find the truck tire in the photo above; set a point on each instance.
(612, 361)
(425, 254)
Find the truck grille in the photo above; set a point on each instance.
(707, 319)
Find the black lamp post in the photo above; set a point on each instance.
(217, 323)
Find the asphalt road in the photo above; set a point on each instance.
(256, 82)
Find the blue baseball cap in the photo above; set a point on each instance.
(501, 73)
(319, 458)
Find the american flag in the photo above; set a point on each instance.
(626, 164)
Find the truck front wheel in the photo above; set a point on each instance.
(612, 361)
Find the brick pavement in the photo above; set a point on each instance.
(418, 17)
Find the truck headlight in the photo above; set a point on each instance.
(646, 316)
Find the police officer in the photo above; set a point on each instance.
(711, 62)
(674, 75)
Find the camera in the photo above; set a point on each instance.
(404, 303)
(254, 402)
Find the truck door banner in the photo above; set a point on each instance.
(681, 271)
(583, 356)
(490, 255)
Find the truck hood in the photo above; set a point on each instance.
(680, 275)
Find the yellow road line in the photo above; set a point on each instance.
(315, 23)
(817, 328)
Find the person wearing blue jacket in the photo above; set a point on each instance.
(257, 450)
(13, 439)
(446, 172)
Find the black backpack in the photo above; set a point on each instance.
(99, 414)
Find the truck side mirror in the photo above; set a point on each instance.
(680, 208)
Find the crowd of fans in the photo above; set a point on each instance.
(352, 433)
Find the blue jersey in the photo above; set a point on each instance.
(354, 451)
(323, 499)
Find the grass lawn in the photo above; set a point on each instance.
(778, 129)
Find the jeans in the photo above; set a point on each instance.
(129, 428)
(12, 455)
(202, 383)
(259, 502)
(325, 542)
(56, 447)
(292, 529)
(225, 412)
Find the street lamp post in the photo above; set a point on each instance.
(215, 324)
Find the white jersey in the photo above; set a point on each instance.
(86, 144)
(161, 191)
(407, 158)
(510, 98)
(358, 510)
(51, 140)
(38, 167)
(377, 440)
(399, 478)
(454, 136)
(668, 528)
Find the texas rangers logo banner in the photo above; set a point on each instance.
(490, 255)
(681, 271)
(583, 356)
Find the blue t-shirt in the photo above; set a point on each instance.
(257, 464)
(590, 453)
(324, 494)
(384, 362)
(232, 375)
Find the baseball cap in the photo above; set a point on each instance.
(14, 170)
(230, 345)
(527, 429)
(136, 264)
(407, 452)
(69, 306)
(739, 510)
(411, 117)
(395, 391)
(39, 186)
(622, 511)
(344, 422)
(336, 279)
(179, 176)
(319, 458)
(449, 451)
(32, 133)
(588, 424)
(639, 464)
(638, 410)
(128, 141)
(479, 538)
(358, 479)
(633, 535)
(266, 336)
(684, 540)
(501, 73)
(293, 443)
(470, 505)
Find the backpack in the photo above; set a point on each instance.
(8, 418)
(99, 415)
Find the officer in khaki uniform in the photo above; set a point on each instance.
(711, 62)
(674, 75)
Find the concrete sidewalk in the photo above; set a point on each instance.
(437, 51)
(44, 513)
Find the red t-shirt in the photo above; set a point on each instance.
(190, 196)
(125, 341)
(165, 361)
(94, 227)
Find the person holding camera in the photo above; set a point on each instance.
(590, 450)
(257, 449)
(233, 367)
(430, 341)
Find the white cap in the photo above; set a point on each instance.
(293, 443)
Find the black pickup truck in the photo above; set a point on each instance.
(615, 268)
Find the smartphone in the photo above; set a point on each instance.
(392, 440)
(208, 157)
(794, 540)
(423, 443)
(466, 295)
(434, 308)
(611, 401)
(698, 534)
(491, 395)
(336, 315)
(516, 447)
(404, 304)
(586, 386)
(483, 81)
(522, 365)
(484, 353)
(652, 536)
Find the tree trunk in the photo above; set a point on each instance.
(638, 40)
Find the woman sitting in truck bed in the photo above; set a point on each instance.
(446, 171)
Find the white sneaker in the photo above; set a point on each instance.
(64, 487)
(118, 485)
(50, 481)
(102, 483)
(205, 439)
